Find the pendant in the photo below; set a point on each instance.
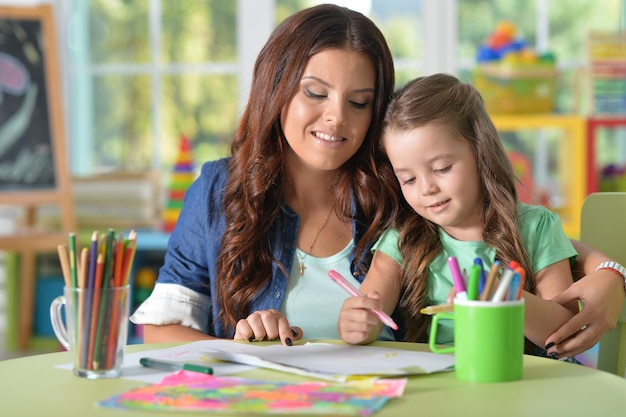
(301, 268)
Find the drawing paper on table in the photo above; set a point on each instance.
(328, 361)
(312, 359)
(192, 391)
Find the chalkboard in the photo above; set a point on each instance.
(33, 161)
(32, 146)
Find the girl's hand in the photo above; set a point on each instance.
(602, 296)
(267, 325)
(357, 323)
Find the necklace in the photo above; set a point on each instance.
(301, 266)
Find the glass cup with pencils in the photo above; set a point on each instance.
(96, 300)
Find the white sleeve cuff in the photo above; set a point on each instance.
(174, 304)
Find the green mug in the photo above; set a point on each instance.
(488, 340)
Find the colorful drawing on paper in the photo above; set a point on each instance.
(192, 391)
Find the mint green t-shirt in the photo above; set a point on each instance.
(542, 234)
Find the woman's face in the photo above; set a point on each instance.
(326, 120)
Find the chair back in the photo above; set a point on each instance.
(603, 227)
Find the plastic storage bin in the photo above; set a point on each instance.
(519, 89)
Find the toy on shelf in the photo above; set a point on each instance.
(607, 63)
(613, 178)
(180, 179)
(511, 76)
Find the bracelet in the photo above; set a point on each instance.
(615, 268)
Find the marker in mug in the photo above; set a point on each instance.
(339, 279)
(522, 278)
(504, 284)
(473, 283)
(514, 288)
(457, 278)
(483, 276)
(175, 366)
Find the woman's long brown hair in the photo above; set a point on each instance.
(254, 192)
(444, 100)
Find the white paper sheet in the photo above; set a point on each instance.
(327, 361)
(335, 362)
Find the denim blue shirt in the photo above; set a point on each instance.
(194, 245)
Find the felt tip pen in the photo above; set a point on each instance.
(474, 282)
(483, 276)
(503, 286)
(514, 287)
(341, 281)
(457, 278)
(174, 366)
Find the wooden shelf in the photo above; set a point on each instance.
(572, 163)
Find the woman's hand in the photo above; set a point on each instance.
(357, 323)
(602, 296)
(267, 325)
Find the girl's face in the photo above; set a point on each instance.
(326, 120)
(439, 178)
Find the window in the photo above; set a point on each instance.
(143, 73)
(140, 73)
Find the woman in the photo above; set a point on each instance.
(298, 195)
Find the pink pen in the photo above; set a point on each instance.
(336, 276)
(457, 278)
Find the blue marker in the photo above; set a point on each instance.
(514, 287)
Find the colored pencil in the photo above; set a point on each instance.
(103, 300)
(112, 337)
(74, 277)
(83, 267)
(119, 259)
(64, 259)
(129, 256)
(72, 254)
(91, 278)
(97, 290)
(93, 257)
(82, 301)
(491, 279)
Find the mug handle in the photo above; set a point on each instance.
(59, 328)
(432, 341)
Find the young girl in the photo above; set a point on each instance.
(459, 200)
